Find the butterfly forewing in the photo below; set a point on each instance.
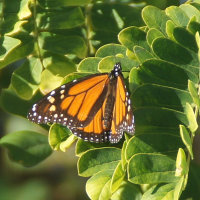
(73, 104)
(123, 119)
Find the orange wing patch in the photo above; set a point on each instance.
(87, 84)
(94, 130)
(66, 102)
(90, 99)
(76, 104)
(95, 126)
(82, 97)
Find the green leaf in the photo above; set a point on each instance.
(72, 77)
(25, 80)
(193, 184)
(134, 80)
(27, 148)
(170, 29)
(178, 16)
(59, 65)
(131, 55)
(7, 45)
(24, 10)
(60, 137)
(117, 177)
(142, 54)
(58, 3)
(165, 73)
(49, 81)
(83, 146)
(63, 44)
(163, 143)
(124, 160)
(151, 168)
(181, 163)
(160, 191)
(18, 27)
(178, 188)
(132, 36)
(127, 191)
(25, 48)
(160, 96)
(191, 118)
(111, 50)
(193, 26)
(196, 5)
(197, 39)
(172, 52)
(152, 34)
(113, 17)
(67, 143)
(14, 11)
(155, 18)
(12, 103)
(101, 182)
(186, 139)
(190, 11)
(185, 38)
(95, 160)
(62, 19)
(102, 37)
(193, 92)
(89, 65)
(160, 119)
(107, 64)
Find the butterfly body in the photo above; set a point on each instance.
(96, 108)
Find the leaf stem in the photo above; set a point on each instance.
(35, 32)
(88, 29)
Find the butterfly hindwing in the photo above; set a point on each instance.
(94, 131)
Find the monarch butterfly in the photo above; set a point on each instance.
(96, 108)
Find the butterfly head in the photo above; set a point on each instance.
(116, 70)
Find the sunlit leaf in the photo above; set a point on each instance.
(95, 160)
(101, 182)
(26, 79)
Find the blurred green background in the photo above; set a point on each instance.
(56, 178)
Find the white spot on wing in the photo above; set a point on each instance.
(52, 92)
(51, 99)
(52, 108)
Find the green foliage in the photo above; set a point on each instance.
(26, 147)
(161, 52)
